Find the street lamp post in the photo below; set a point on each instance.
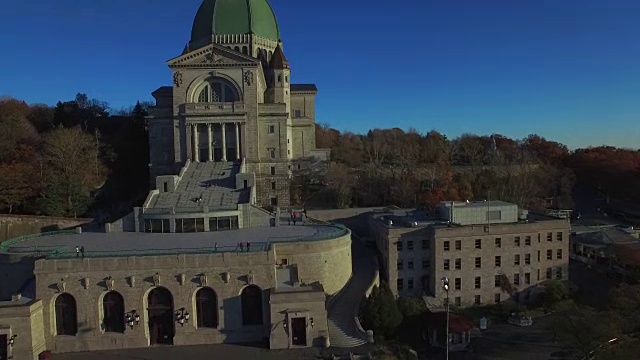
(445, 286)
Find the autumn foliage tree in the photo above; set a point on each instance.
(406, 168)
(73, 171)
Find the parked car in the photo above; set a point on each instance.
(520, 319)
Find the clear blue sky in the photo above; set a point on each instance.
(565, 69)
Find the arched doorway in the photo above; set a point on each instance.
(251, 298)
(206, 308)
(66, 315)
(113, 312)
(161, 324)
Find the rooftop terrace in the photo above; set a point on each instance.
(213, 182)
(62, 244)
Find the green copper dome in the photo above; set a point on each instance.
(232, 17)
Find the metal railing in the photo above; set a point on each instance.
(68, 251)
(5, 245)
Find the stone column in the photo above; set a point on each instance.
(194, 138)
(237, 141)
(224, 141)
(210, 142)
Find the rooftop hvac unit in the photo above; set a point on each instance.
(522, 214)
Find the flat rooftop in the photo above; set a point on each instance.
(477, 204)
(141, 244)
(214, 182)
(418, 218)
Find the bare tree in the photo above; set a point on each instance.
(73, 167)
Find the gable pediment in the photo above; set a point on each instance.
(212, 56)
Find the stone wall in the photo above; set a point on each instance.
(326, 261)
(298, 304)
(25, 321)
(12, 226)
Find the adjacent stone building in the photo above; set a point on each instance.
(476, 245)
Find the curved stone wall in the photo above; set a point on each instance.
(326, 261)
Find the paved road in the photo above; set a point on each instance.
(206, 352)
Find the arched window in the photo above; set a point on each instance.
(113, 312)
(237, 48)
(217, 90)
(206, 308)
(258, 52)
(251, 298)
(279, 78)
(244, 50)
(66, 316)
(270, 55)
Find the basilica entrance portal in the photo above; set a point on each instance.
(161, 324)
(299, 331)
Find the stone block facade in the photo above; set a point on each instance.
(321, 264)
(24, 321)
(416, 258)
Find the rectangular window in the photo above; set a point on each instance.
(516, 279)
(527, 278)
(527, 259)
(458, 284)
(272, 152)
(496, 281)
(516, 259)
(527, 240)
(494, 215)
(446, 264)
(559, 273)
(410, 284)
(399, 245)
(400, 285)
(273, 170)
(496, 298)
(549, 273)
(478, 243)
(538, 255)
(477, 282)
(425, 244)
(273, 185)
(400, 264)
(559, 254)
(538, 274)
(498, 242)
(559, 236)
(458, 244)
(516, 241)
(478, 262)
(446, 246)
(426, 264)
(410, 245)
(549, 254)
(549, 236)
(271, 129)
(410, 264)
(498, 261)
(297, 113)
(458, 264)
(477, 300)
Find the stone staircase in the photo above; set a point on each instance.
(343, 309)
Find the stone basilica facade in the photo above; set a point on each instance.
(201, 262)
(232, 100)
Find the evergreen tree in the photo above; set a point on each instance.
(381, 314)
